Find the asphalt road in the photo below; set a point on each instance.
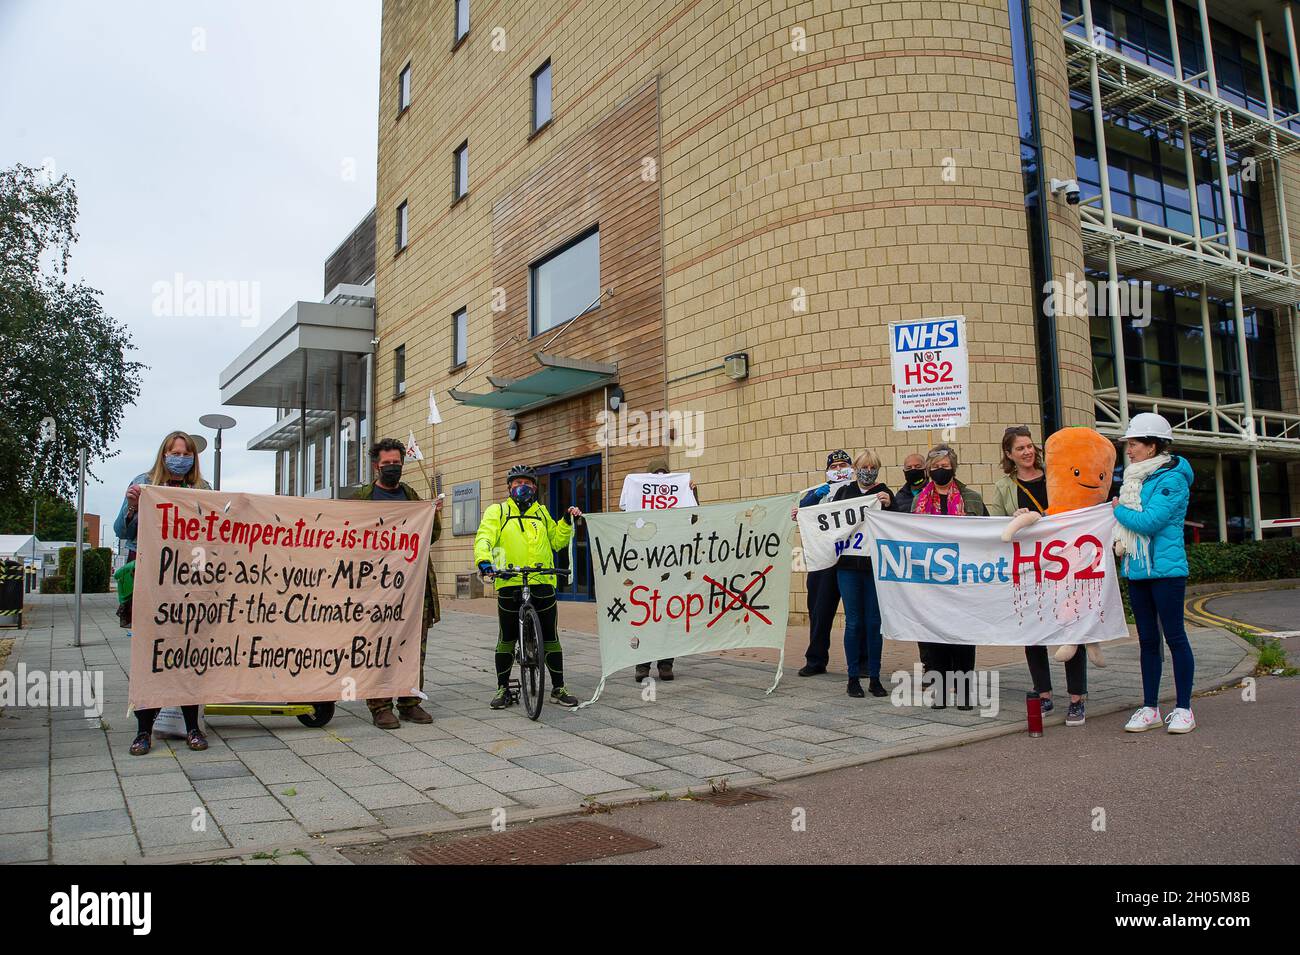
(1226, 793)
(1270, 609)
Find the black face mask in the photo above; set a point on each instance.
(390, 475)
(914, 475)
(941, 476)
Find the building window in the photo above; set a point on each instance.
(462, 19)
(399, 371)
(401, 227)
(404, 89)
(1139, 29)
(542, 96)
(564, 283)
(460, 171)
(1165, 358)
(460, 338)
(1148, 178)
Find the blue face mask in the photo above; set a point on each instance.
(524, 495)
(179, 464)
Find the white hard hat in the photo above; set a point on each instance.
(1149, 425)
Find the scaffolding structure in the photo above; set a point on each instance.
(1116, 83)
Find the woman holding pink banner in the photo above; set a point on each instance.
(176, 465)
(944, 495)
(857, 586)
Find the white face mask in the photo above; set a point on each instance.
(836, 475)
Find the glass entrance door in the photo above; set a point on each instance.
(564, 485)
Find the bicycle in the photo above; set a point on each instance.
(529, 652)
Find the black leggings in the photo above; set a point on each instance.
(144, 718)
(1076, 671)
(509, 599)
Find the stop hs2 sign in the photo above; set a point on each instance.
(931, 380)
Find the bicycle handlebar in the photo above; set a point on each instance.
(507, 573)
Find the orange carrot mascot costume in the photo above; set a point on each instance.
(1080, 464)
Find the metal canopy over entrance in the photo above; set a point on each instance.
(558, 380)
(314, 365)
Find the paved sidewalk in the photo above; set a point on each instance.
(70, 792)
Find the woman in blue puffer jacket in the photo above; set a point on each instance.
(1150, 511)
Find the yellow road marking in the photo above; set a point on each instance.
(1195, 609)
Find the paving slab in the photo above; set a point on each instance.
(715, 720)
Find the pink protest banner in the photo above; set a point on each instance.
(267, 599)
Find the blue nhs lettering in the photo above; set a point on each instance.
(917, 562)
(922, 336)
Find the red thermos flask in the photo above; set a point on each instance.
(1034, 714)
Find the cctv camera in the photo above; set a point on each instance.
(1068, 188)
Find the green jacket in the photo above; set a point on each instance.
(506, 538)
(432, 608)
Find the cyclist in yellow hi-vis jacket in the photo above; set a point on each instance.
(520, 532)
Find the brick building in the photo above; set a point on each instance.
(775, 182)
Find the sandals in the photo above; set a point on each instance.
(196, 741)
(140, 745)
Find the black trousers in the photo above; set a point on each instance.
(955, 664)
(509, 600)
(823, 601)
(1076, 671)
(144, 718)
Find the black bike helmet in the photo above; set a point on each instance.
(521, 471)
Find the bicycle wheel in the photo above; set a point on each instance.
(532, 663)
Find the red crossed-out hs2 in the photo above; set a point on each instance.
(739, 593)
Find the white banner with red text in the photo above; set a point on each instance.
(954, 580)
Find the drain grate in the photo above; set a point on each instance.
(732, 797)
(559, 844)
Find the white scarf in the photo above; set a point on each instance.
(1126, 541)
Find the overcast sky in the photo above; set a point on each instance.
(229, 140)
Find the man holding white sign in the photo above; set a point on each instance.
(657, 490)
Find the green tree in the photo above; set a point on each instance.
(56, 519)
(63, 361)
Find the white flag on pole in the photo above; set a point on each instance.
(434, 416)
(413, 452)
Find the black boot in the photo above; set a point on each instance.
(855, 688)
(875, 688)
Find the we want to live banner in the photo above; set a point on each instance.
(679, 581)
(954, 580)
(272, 599)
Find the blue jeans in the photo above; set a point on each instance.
(862, 621)
(1158, 604)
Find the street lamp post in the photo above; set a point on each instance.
(219, 423)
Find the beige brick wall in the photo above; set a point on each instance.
(821, 170)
